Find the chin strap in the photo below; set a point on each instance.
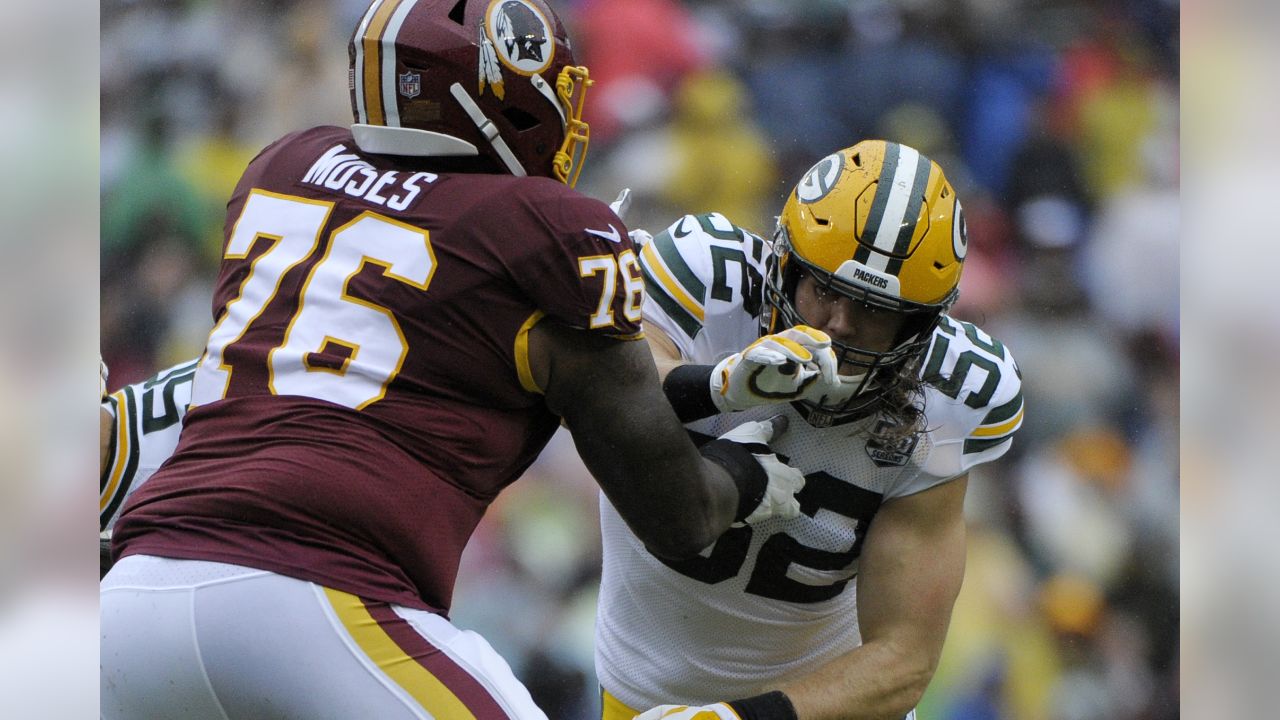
(488, 129)
(385, 140)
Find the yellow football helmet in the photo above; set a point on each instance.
(879, 223)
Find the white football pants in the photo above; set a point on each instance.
(202, 640)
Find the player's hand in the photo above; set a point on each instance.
(783, 481)
(620, 206)
(719, 711)
(795, 364)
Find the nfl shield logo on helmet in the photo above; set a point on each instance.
(410, 84)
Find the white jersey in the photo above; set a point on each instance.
(148, 419)
(770, 603)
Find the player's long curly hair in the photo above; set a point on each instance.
(901, 405)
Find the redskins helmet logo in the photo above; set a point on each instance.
(959, 233)
(820, 178)
(521, 35)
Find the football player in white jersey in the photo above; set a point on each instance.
(140, 424)
(842, 611)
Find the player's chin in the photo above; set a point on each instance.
(853, 370)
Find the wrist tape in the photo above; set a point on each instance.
(688, 389)
(769, 706)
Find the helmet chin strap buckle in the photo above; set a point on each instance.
(541, 86)
(487, 128)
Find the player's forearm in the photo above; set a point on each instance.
(878, 680)
(674, 499)
(909, 576)
(686, 507)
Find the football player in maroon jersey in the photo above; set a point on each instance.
(406, 311)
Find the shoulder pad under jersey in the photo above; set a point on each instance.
(973, 403)
(704, 280)
(148, 420)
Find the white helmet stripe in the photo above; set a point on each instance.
(358, 77)
(389, 78)
(900, 191)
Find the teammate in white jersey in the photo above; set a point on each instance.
(139, 431)
(842, 611)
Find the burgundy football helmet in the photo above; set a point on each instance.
(456, 78)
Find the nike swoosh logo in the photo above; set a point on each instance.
(612, 236)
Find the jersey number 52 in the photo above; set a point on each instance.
(827, 572)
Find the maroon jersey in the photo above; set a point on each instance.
(365, 392)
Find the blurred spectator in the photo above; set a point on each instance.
(149, 187)
(1133, 248)
(210, 164)
(722, 163)
(639, 51)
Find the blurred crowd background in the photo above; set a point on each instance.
(1056, 120)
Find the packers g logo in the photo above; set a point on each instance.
(820, 178)
(521, 35)
(959, 233)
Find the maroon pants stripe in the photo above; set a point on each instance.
(467, 689)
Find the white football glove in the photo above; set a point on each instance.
(719, 711)
(621, 204)
(784, 481)
(619, 207)
(795, 364)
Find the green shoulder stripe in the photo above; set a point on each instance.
(687, 322)
(1004, 412)
(680, 270)
(973, 446)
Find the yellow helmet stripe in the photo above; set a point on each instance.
(358, 64)
(369, 63)
(389, 77)
(875, 218)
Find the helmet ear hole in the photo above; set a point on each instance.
(520, 119)
(459, 12)
(857, 159)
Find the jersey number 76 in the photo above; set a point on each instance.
(328, 320)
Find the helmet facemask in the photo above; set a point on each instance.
(867, 374)
(571, 93)
(876, 227)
